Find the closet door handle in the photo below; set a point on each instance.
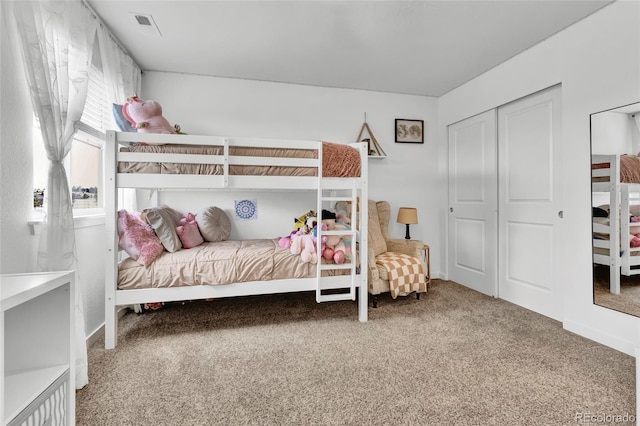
(560, 214)
(451, 209)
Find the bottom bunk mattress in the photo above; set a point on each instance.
(216, 263)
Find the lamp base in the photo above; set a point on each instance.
(407, 236)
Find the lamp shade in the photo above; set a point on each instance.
(407, 215)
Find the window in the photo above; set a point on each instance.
(84, 162)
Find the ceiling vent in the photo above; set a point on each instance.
(146, 24)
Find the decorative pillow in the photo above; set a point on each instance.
(137, 238)
(214, 224)
(188, 231)
(123, 124)
(164, 221)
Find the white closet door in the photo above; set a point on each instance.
(529, 194)
(473, 231)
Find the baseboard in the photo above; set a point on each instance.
(99, 332)
(623, 345)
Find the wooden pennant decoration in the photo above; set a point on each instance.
(374, 147)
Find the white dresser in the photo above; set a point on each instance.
(36, 345)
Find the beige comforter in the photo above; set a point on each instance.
(223, 262)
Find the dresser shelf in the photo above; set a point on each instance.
(37, 368)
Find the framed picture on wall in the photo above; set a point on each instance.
(409, 131)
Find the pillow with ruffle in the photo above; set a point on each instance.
(214, 224)
(137, 238)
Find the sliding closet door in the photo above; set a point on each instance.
(473, 229)
(529, 191)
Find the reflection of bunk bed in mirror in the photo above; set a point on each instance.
(617, 177)
(179, 162)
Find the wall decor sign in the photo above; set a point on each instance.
(246, 209)
(409, 131)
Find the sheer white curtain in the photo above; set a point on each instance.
(122, 74)
(57, 40)
(123, 80)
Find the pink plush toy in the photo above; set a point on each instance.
(285, 242)
(304, 244)
(308, 253)
(342, 212)
(146, 116)
(336, 248)
(335, 253)
(295, 243)
(188, 231)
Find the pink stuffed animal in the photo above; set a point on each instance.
(304, 244)
(285, 242)
(335, 249)
(146, 116)
(188, 231)
(308, 253)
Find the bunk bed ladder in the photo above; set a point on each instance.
(349, 195)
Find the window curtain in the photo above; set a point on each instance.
(123, 79)
(57, 39)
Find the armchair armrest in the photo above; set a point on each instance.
(408, 247)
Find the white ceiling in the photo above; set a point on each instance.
(412, 47)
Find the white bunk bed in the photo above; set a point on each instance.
(611, 241)
(328, 189)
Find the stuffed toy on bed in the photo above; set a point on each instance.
(146, 116)
(303, 242)
(301, 221)
(336, 248)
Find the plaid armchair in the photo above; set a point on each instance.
(380, 242)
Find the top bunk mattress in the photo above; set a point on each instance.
(629, 169)
(338, 160)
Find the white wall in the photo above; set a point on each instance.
(598, 64)
(611, 133)
(235, 107)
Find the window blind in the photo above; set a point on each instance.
(97, 114)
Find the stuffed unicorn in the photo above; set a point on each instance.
(146, 116)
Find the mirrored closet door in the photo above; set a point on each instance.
(615, 188)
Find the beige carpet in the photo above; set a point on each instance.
(454, 357)
(628, 301)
